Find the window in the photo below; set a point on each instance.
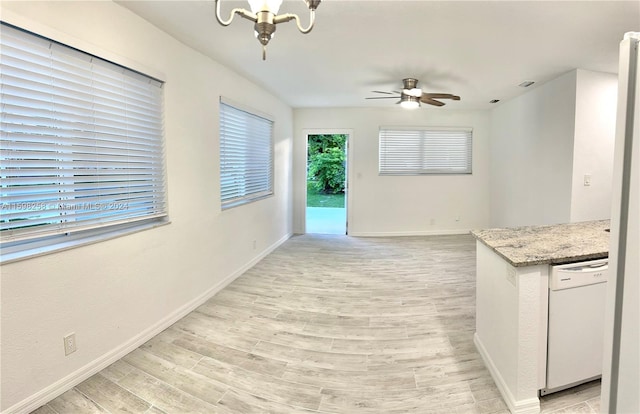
(246, 156)
(81, 146)
(415, 151)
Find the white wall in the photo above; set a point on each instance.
(400, 205)
(511, 329)
(114, 293)
(544, 142)
(595, 119)
(531, 155)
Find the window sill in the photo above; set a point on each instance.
(61, 243)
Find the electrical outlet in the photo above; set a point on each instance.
(70, 343)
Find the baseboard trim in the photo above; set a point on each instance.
(409, 233)
(57, 388)
(528, 406)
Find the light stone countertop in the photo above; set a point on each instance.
(554, 244)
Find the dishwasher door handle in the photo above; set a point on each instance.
(588, 268)
(581, 275)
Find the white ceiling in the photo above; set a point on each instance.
(480, 50)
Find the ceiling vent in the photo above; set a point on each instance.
(526, 84)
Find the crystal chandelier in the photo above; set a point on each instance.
(264, 13)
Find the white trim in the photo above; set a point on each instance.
(56, 201)
(57, 388)
(349, 178)
(246, 108)
(411, 151)
(62, 243)
(409, 233)
(426, 128)
(247, 152)
(38, 28)
(528, 406)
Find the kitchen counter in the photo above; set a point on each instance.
(553, 244)
(512, 293)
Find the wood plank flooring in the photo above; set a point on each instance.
(325, 324)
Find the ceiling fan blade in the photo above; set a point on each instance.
(441, 96)
(431, 101)
(387, 93)
(383, 97)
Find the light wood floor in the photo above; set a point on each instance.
(329, 324)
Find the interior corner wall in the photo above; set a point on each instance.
(596, 101)
(399, 205)
(113, 293)
(532, 143)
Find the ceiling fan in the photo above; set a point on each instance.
(411, 96)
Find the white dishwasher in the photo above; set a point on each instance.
(577, 296)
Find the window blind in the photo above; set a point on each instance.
(81, 145)
(246, 156)
(415, 151)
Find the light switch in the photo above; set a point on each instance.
(587, 180)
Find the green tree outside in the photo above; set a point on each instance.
(326, 163)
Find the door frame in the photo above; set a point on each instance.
(348, 192)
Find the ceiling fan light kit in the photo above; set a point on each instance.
(411, 96)
(264, 13)
(409, 102)
(416, 92)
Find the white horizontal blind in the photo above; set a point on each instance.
(81, 144)
(246, 156)
(415, 151)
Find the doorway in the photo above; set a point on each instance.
(326, 206)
